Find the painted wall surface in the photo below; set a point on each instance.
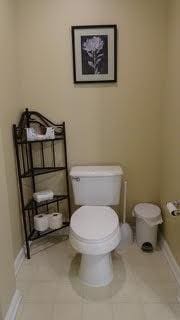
(10, 107)
(170, 124)
(7, 278)
(106, 123)
(9, 214)
(124, 123)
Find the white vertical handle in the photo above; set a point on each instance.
(124, 201)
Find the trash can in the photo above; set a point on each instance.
(148, 217)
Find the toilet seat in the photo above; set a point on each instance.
(94, 224)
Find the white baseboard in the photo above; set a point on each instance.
(13, 308)
(175, 268)
(19, 260)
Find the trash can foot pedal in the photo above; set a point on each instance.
(147, 247)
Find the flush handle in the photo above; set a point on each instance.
(76, 178)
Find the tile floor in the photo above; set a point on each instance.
(143, 287)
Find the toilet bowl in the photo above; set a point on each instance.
(95, 233)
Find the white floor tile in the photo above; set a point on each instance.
(127, 292)
(41, 292)
(175, 308)
(65, 293)
(152, 273)
(97, 295)
(143, 287)
(128, 311)
(158, 311)
(158, 292)
(26, 272)
(67, 311)
(23, 287)
(97, 311)
(32, 311)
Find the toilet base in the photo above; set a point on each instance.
(96, 270)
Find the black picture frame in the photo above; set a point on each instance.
(94, 53)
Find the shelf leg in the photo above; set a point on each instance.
(28, 250)
(67, 178)
(21, 193)
(26, 237)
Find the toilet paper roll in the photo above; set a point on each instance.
(171, 208)
(41, 222)
(55, 220)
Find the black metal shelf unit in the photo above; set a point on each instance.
(27, 155)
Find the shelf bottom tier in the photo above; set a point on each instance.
(37, 234)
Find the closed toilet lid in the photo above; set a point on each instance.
(94, 223)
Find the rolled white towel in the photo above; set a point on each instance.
(43, 195)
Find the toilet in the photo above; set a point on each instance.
(94, 227)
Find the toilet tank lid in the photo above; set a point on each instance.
(96, 171)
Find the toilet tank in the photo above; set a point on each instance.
(96, 185)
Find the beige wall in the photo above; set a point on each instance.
(110, 123)
(7, 278)
(170, 124)
(9, 104)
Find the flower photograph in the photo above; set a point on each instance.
(94, 53)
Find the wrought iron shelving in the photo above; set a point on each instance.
(26, 156)
(39, 171)
(36, 235)
(32, 204)
(24, 141)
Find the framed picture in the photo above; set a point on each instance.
(94, 53)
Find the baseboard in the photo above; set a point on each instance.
(175, 268)
(13, 308)
(19, 260)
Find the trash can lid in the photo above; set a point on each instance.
(148, 212)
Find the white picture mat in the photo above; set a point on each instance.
(78, 55)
